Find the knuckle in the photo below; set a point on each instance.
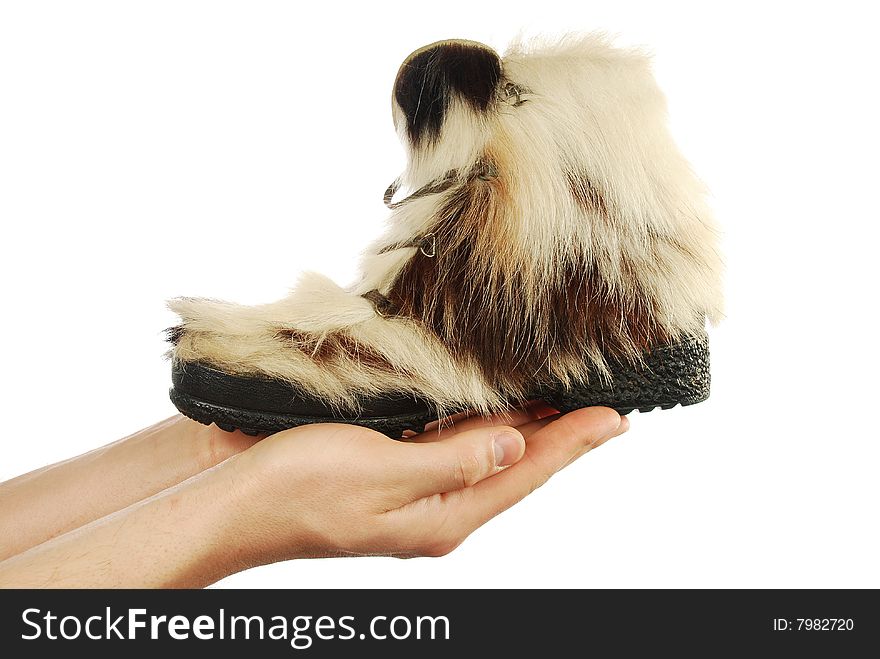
(469, 468)
(541, 472)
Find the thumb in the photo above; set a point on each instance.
(462, 460)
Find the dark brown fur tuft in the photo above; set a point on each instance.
(430, 78)
(587, 194)
(495, 315)
(174, 334)
(332, 347)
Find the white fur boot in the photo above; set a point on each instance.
(555, 245)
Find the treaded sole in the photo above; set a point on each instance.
(676, 374)
(252, 422)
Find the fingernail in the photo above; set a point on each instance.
(508, 447)
(611, 428)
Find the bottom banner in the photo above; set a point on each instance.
(330, 622)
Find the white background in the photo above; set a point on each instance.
(155, 149)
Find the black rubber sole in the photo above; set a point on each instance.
(676, 374)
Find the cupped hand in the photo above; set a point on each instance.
(332, 489)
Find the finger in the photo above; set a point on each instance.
(440, 423)
(459, 423)
(529, 429)
(466, 420)
(624, 426)
(548, 450)
(458, 461)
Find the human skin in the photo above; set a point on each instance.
(61, 497)
(183, 505)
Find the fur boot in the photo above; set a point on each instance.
(555, 244)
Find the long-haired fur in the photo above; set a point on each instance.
(572, 232)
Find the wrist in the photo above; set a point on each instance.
(243, 520)
(217, 513)
(256, 518)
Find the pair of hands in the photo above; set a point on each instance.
(348, 490)
(181, 504)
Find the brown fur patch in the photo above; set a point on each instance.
(587, 194)
(494, 312)
(333, 347)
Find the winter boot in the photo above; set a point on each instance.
(555, 245)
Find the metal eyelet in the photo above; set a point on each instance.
(381, 304)
(429, 240)
(486, 170)
(514, 91)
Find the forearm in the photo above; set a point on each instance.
(56, 499)
(185, 536)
